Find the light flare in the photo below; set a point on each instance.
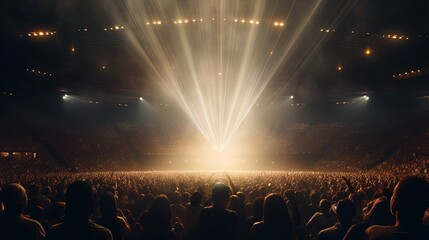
(216, 70)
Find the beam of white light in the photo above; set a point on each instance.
(216, 70)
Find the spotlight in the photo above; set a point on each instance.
(141, 99)
(291, 97)
(339, 68)
(368, 51)
(65, 96)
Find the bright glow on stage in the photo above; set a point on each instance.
(215, 68)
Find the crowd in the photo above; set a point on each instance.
(210, 205)
(121, 145)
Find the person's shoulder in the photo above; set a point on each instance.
(256, 229)
(30, 223)
(257, 225)
(55, 231)
(100, 231)
(378, 231)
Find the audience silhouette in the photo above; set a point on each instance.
(408, 204)
(276, 223)
(156, 222)
(345, 211)
(77, 223)
(117, 225)
(217, 222)
(13, 224)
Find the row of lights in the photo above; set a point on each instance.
(114, 28)
(411, 73)
(39, 72)
(390, 36)
(396, 36)
(180, 21)
(297, 104)
(40, 33)
(365, 97)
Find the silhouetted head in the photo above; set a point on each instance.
(276, 212)
(159, 212)
(14, 198)
(220, 195)
(196, 199)
(34, 189)
(79, 202)
(37, 213)
(345, 210)
(379, 214)
(410, 200)
(325, 206)
(258, 209)
(176, 197)
(234, 203)
(57, 211)
(108, 206)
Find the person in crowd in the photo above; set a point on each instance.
(257, 213)
(36, 198)
(56, 214)
(77, 223)
(321, 220)
(379, 214)
(193, 215)
(276, 222)
(178, 211)
(155, 223)
(216, 221)
(345, 212)
(408, 204)
(13, 224)
(117, 225)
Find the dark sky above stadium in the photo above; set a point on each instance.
(102, 63)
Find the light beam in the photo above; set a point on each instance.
(216, 69)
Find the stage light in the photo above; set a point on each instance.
(291, 97)
(116, 27)
(368, 51)
(41, 33)
(65, 96)
(104, 67)
(72, 49)
(216, 105)
(141, 99)
(339, 68)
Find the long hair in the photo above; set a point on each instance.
(276, 216)
(159, 212)
(108, 206)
